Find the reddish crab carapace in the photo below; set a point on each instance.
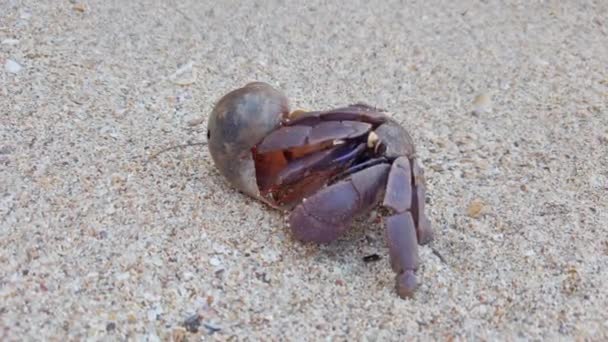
(325, 168)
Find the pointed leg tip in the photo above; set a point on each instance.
(425, 232)
(406, 284)
(426, 238)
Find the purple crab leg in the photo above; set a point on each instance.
(403, 251)
(360, 166)
(356, 112)
(284, 138)
(335, 158)
(423, 224)
(398, 141)
(401, 227)
(324, 216)
(298, 136)
(399, 188)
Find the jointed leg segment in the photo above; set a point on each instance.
(403, 251)
(324, 216)
(402, 230)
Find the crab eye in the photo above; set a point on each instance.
(208, 135)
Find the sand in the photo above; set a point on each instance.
(507, 103)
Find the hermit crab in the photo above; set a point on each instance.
(324, 168)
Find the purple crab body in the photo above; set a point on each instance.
(325, 168)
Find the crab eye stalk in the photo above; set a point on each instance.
(239, 121)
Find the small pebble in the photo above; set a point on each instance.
(371, 258)
(572, 282)
(270, 256)
(215, 261)
(196, 121)
(482, 104)
(185, 75)
(436, 167)
(539, 61)
(192, 323)
(123, 276)
(211, 329)
(529, 253)
(179, 334)
(12, 66)
(152, 315)
(262, 276)
(25, 14)
(131, 318)
(79, 7)
(10, 41)
(475, 208)
(110, 326)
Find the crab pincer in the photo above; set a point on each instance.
(325, 168)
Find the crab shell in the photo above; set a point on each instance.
(238, 122)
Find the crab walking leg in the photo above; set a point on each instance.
(324, 216)
(423, 224)
(401, 228)
(358, 167)
(355, 112)
(403, 251)
(288, 137)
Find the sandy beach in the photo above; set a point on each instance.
(105, 235)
